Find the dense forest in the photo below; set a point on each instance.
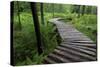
(25, 30)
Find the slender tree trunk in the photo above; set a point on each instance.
(87, 11)
(92, 10)
(20, 26)
(53, 10)
(78, 10)
(11, 40)
(83, 9)
(37, 27)
(42, 13)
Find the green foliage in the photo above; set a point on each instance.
(49, 37)
(25, 48)
(61, 15)
(88, 25)
(23, 6)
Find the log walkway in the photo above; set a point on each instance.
(75, 46)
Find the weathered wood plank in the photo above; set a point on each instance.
(49, 60)
(59, 58)
(68, 56)
(81, 44)
(80, 54)
(79, 49)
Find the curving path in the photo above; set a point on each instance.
(75, 46)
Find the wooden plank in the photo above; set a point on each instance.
(68, 56)
(80, 54)
(58, 58)
(86, 42)
(49, 60)
(76, 39)
(84, 47)
(81, 44)
(79, 49)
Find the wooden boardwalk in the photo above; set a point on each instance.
(75, 46)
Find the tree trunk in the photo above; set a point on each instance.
(42, 14)
(53, 10)
(20, 26)
(83, 9)
(37, 27)
(78, 10)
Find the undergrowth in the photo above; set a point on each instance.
(25, 47)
